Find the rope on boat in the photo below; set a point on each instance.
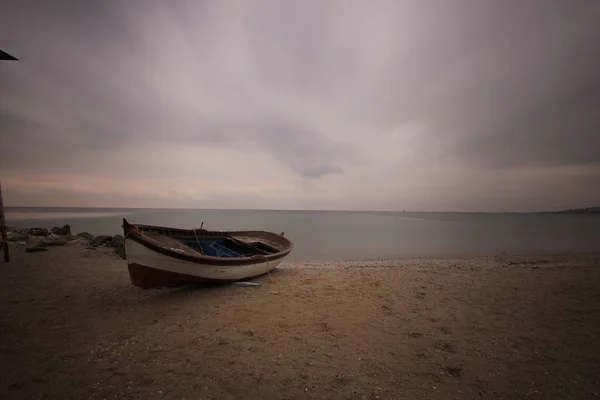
(268, 270)
(134, 230)
(269, 278)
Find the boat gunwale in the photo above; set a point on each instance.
(130, 232)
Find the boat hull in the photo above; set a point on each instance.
(151, 269)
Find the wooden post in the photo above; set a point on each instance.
(3, 229)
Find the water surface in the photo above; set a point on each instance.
(327, 235)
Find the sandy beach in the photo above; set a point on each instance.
(73, 327)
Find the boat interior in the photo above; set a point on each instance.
(228, 247)
(215, 243)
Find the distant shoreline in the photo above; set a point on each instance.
(589, 210)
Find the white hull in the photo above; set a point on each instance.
(143, 256)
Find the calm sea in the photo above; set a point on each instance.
(332, 235)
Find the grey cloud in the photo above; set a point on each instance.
(25, 144)
(568, 137)
(101, 110)
(317, 171)
(532, 100)
(305, 151)
(68, 198)
(497, 84)
(29, 145)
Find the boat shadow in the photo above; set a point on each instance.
(204, 290)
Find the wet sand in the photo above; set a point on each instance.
(72, 326)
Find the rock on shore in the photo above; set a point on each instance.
(41, 239)
(65, 230)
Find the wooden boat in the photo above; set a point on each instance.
(159, 256)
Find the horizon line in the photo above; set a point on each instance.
(314, 210)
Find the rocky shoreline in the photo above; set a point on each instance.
(41, 239)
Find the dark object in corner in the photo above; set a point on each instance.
(7, 57)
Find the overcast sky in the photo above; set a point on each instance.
(373, 105)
